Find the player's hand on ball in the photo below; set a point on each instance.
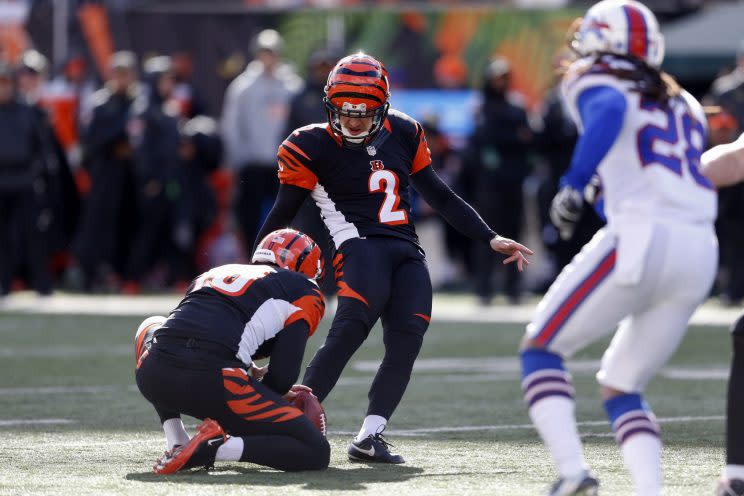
(516, 251)
(292, 393)
(565, 211)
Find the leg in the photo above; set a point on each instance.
(404, 321)
(361, 300)
(650, 338)
(733, 473)
(583, 305)
(265, 429)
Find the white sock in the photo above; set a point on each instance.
(555, 420)
(175, 433)
(231, 450)
(372, 425)
(642, 455)
(733, 472)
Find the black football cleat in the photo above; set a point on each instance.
(583, 485)
(200, 451)
(373, 448)
(730, 487)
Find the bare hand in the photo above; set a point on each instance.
(517, 252)
(292, 393)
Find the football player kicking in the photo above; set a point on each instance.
(724, 166)
(357, 168)
(648, 269)
(194, 362)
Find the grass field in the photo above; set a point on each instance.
(72, 421)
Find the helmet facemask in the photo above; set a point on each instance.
(359, 111)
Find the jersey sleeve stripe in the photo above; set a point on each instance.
(291, 159)
(295, 148)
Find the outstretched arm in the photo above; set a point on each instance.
(463, 217)
(724, 164)
(287, 204)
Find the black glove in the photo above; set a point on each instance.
(565, 211)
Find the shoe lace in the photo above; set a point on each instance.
(380, 438)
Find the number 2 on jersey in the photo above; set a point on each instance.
(387, 181)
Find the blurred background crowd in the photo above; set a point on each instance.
(138, 139)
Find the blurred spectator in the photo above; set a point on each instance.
(307, 107)
(200, 153)
(728, 90)
(449, 166)
(555, 143)
(254, 120)
(100, 248)
(730, 223)
(498, 153)
(155, 140)
(189, 100)
(32, 72)
(56, 194)
(23, 243)
(67, 98)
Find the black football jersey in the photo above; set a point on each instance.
(244, 307)
(360, 191)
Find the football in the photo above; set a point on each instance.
(311, 407)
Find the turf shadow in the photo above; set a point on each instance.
(332, 479)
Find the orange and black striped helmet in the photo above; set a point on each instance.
(290, 249)
(357, 87)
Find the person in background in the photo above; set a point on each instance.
(730, 222)
(498, 152)
(155, 139)
(33, 69)
(728, 90)
(254, 119)
(189, 99)
(22, 233)
(101, 245)
(555, 143)
(200, 153)
(306, 108)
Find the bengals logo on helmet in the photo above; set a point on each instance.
(357, 87)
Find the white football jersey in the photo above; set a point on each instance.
(652, 170)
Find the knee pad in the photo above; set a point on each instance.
(143, 336)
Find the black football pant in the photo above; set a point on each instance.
(376, 277)
(735, 409)
(275, 434)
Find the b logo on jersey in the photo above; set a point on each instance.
(376, 165)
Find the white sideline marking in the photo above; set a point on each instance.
(64, 390)
(49, 421)
(65, 351)
(513, 427)
(446, 308)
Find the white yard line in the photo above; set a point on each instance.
(513, 427)
(64, 390)
(49, 421)
(446, 308)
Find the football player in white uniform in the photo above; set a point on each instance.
(652, 264)
(724, 166)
